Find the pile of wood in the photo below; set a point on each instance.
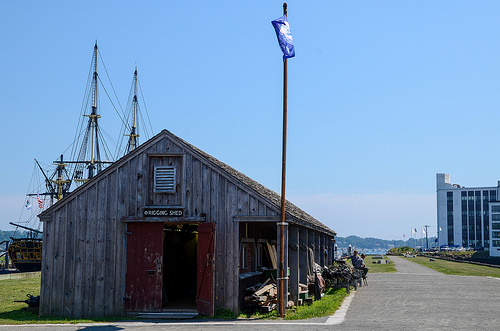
(262, 296)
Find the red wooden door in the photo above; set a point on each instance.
(205, 282)
(144, 267)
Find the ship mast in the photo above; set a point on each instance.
(133, 140)
(93, 118)
(89, 156)
(57, 185)
(62, 185)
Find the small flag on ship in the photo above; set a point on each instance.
(284, 35)
(28, 204)
(40, 202)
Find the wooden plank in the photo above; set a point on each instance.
(187, 184)
(262, 209)
(89, 271)
(253, 206)
(264, 289)
(317, 246)
(272, 255)
(142, 177)
(120, 239)
(69, 272)
(243, 203)
(110, 247)
(303, 244)
(100, 248)
(205, 185)
(293, 262)
(311, 239)
(80, 257)
(132, 200)
(47, 268)
(235, 267)
(217, 202)
(231, 249)
(121, 268)
(58, 258)
(197, 189)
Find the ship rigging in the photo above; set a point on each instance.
(86, 161)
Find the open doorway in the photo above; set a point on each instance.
(180, 245)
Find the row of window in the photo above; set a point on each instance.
(475, 216)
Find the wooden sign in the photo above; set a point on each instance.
(163, 212)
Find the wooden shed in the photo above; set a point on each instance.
(168, 226)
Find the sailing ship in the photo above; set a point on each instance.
(26, 252)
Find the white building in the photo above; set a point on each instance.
(495, 228)
(463, 214)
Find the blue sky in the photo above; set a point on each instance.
(382, 95)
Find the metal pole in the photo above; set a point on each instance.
(426, 236)
(282, 291)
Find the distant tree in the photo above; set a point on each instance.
(5, 235)
(374, 243)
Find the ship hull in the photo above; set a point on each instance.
(26, 254)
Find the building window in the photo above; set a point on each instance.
(495, 217)
(495, 209)
(247, 255)
(465, 233)
(164, 180)
(244, 254)
(495, 243)
(449, 207)
(260, 255)
(495, 234)
(495, 226)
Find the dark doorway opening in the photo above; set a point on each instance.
(180, 245)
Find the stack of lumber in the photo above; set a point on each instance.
(262, 296)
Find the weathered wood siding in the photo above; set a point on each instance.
(84, 256)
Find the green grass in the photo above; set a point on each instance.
(379, 268)
(327, 306)
(12, 313)
(16, 289)
(456, 268)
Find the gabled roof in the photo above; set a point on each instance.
(295, 213)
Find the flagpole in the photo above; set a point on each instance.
(281, 288)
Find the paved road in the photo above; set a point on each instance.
(418, 298)
(413, 298)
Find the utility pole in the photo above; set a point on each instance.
(426, 236)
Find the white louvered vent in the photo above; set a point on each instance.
(164, 179)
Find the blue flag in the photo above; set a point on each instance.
(284, 37)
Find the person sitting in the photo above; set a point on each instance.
(358, 262)
(363, 265)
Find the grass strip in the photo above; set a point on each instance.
(370, 262)
(327, 306)
(456, 268)
(12, 313)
